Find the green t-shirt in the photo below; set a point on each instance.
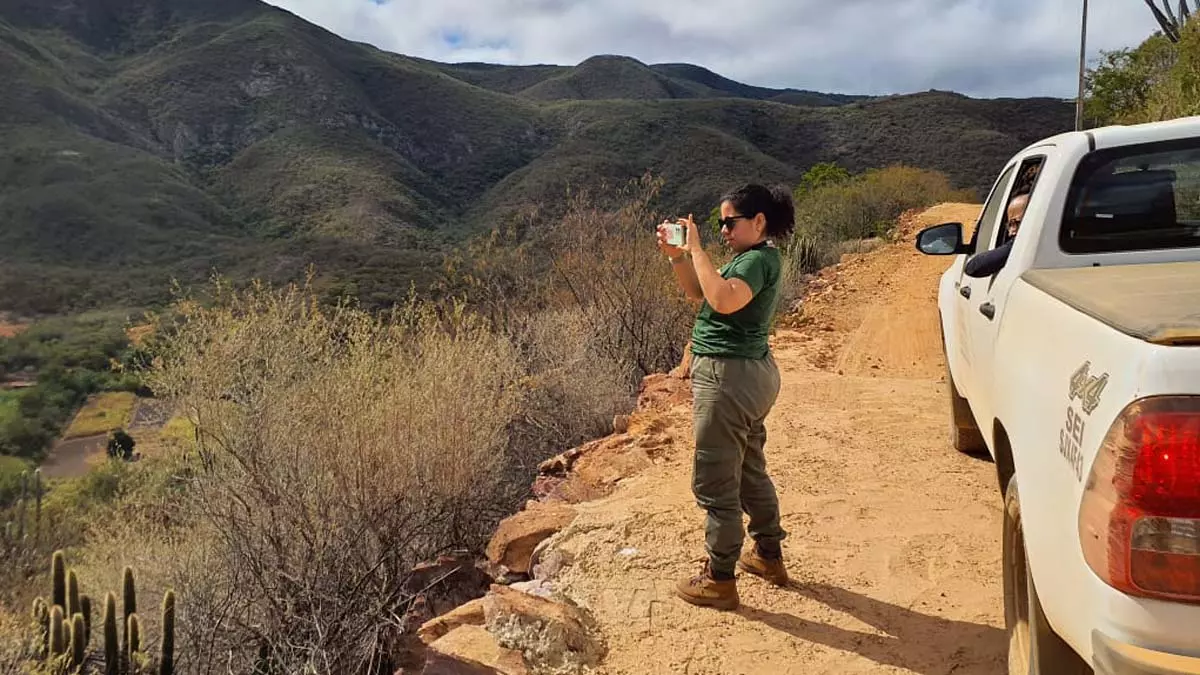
(742, 334)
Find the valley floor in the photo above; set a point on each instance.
(894, 543)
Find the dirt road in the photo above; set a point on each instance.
(75, 457)
(894, 537)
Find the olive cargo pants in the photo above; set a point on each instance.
(731, 399)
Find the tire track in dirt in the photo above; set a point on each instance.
(894, 538)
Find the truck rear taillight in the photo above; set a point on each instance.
(1140, 518)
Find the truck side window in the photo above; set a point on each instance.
(1134, 198)
(985, 228)
(1025, 183)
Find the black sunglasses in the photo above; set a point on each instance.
(729, 222)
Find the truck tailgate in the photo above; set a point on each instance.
(1158, 302)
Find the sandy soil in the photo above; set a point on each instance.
(894, 537)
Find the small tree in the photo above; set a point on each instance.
(820, 175)
(1119, 88)
(120, 445)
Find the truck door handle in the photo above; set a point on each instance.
(988, 309)
(965, 291)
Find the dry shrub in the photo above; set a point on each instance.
(574, 385)
(573, 389)
(502, 274)
(606, 259)
(334, 450)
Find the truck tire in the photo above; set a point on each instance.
(1033, 646)
(964, 433)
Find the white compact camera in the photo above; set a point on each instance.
(676, 234)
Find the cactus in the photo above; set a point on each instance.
(58, 571)
(57, 639)
(41, 616)
(112, 649)
(166, 662)
(129, 596)
(134, 644)
(73, 607)
(37, 513)
(65, 630)
(21, 504)
(78, 642)
(85, 608)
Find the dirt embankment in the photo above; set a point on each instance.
(893, 536)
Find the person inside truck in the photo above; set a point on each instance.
(990, 262)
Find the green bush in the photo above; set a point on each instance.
(832, 207)
(1157, 80)
(867, 205)
(11, 470)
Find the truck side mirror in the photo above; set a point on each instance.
(944, 239)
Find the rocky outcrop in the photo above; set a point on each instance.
(517, 536)
(440, 586)
(593, 470)
(554, 637)
(472, 650)
(470, 614)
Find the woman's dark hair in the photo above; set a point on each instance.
(774, 203)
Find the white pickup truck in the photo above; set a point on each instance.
(1076, 366)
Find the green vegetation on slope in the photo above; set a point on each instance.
(149, 140)
(71, 359)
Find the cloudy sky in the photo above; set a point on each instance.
(977, 47)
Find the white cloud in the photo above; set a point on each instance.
(977, 47)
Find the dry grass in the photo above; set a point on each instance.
(101, 414)
(178, 429)
(16, 635)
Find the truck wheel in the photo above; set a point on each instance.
(1033, 646)
(964, 434)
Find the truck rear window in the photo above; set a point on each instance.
(1134, 198)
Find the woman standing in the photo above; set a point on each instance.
(735, 382)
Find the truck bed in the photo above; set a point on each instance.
(1158, 303)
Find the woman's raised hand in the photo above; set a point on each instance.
(667, 249)
(693, 243)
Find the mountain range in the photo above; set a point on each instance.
(144, 140)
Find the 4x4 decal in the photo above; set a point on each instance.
(1087, 387)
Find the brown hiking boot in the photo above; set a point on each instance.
(771, 570)
(705, 591)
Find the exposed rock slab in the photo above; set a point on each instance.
(517, 536)
(555, 638)
(472, 650)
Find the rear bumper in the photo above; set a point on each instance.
(1110, 657)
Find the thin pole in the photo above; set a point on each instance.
(1082, 65)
